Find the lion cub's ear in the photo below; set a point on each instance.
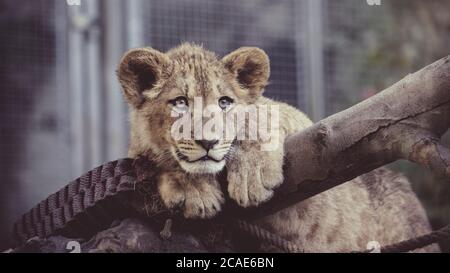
(251, 67)
(140, 70)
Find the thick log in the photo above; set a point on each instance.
(130, 235)
(405, 121)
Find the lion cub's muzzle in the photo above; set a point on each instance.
(202, 156)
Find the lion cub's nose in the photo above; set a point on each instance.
(207, 144)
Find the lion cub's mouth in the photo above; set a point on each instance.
(205, 163)
(206, 157)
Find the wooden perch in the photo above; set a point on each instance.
(405, 121)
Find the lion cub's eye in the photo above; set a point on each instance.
(225, 102)
(180, 104)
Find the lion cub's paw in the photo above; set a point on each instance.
(197, 198)
(251, 182)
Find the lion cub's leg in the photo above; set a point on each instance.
(257, 166)
(254, 173)
(197, 196)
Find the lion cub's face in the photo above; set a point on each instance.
(188, 82)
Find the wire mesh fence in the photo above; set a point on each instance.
(223, 26)
(34, 143)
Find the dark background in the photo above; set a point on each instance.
(61, 109)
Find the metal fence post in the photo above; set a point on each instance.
(115, 31)
(309, 37)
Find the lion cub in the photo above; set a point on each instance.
(156, 84)
(162, 89)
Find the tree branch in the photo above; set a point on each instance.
(404, 121)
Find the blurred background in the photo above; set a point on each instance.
(61, 108)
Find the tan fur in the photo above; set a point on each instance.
(378, 206)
